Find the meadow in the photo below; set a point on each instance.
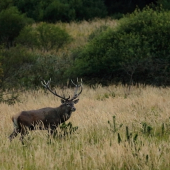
(137, 135)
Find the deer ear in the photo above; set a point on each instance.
(76, 101)
(62, 101)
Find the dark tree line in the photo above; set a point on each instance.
(69, 10)
(125, 6)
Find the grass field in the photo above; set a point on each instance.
(138, 137)
(80, 32)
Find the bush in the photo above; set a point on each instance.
(11, 23)
(28, 37)
(45, 67)
(97, 32)
(137, 50)
(5, 4)
(44, 37)
(32, 8)
(165, 4)
(59, 11)
(14, 62)
(51, 37)
(153, 28)
(69, 10)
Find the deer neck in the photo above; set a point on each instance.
(64, 112)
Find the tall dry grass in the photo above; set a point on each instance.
(80, 31)
(94, 145)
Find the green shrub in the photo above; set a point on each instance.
(5, 4)
(51, 37)
(24, 68)
(67, 11)
(45, 67)
(137, 50)
(32, 8)
(97, 32)
(44, 37)
(165, 4)
(28, 37)
(153, 30)
(59, 11)
(14, 63)
(95, 59)
(11, 23)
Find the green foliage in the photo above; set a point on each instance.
(32, 8)
(152, 28)
(66, 129)
(146, 128)
(14, 62)
(51, 37)
(137, 50)
(24, 68)
(105, 96)
(45, 67)
(59, 11)
(165, 4)
(44, 37)
(5, 4)
(11, 23)
(28, 37)
(129, 137)
(68, 10)
(113, 125)
(97, 32)
(74, 10)
(95, 59)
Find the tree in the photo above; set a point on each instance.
(11, 23)
(136, 51)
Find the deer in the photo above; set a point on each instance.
(47, 118)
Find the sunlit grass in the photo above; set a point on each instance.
(80, 32)
(95, 144)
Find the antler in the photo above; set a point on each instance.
(46, 85)
(76, 89)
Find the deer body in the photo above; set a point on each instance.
(43, 119)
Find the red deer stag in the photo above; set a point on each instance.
(46, 118)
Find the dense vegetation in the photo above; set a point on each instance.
(69, 10)
(135, 50)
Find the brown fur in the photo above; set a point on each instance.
(46, 118)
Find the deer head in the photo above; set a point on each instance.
(69, 102)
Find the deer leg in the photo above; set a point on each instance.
(24, 132)
(52, 131)
(14, 134)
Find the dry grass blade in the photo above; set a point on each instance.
(94, 145)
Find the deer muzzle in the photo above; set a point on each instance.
(73, 109)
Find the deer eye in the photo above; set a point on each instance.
(67, 104)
